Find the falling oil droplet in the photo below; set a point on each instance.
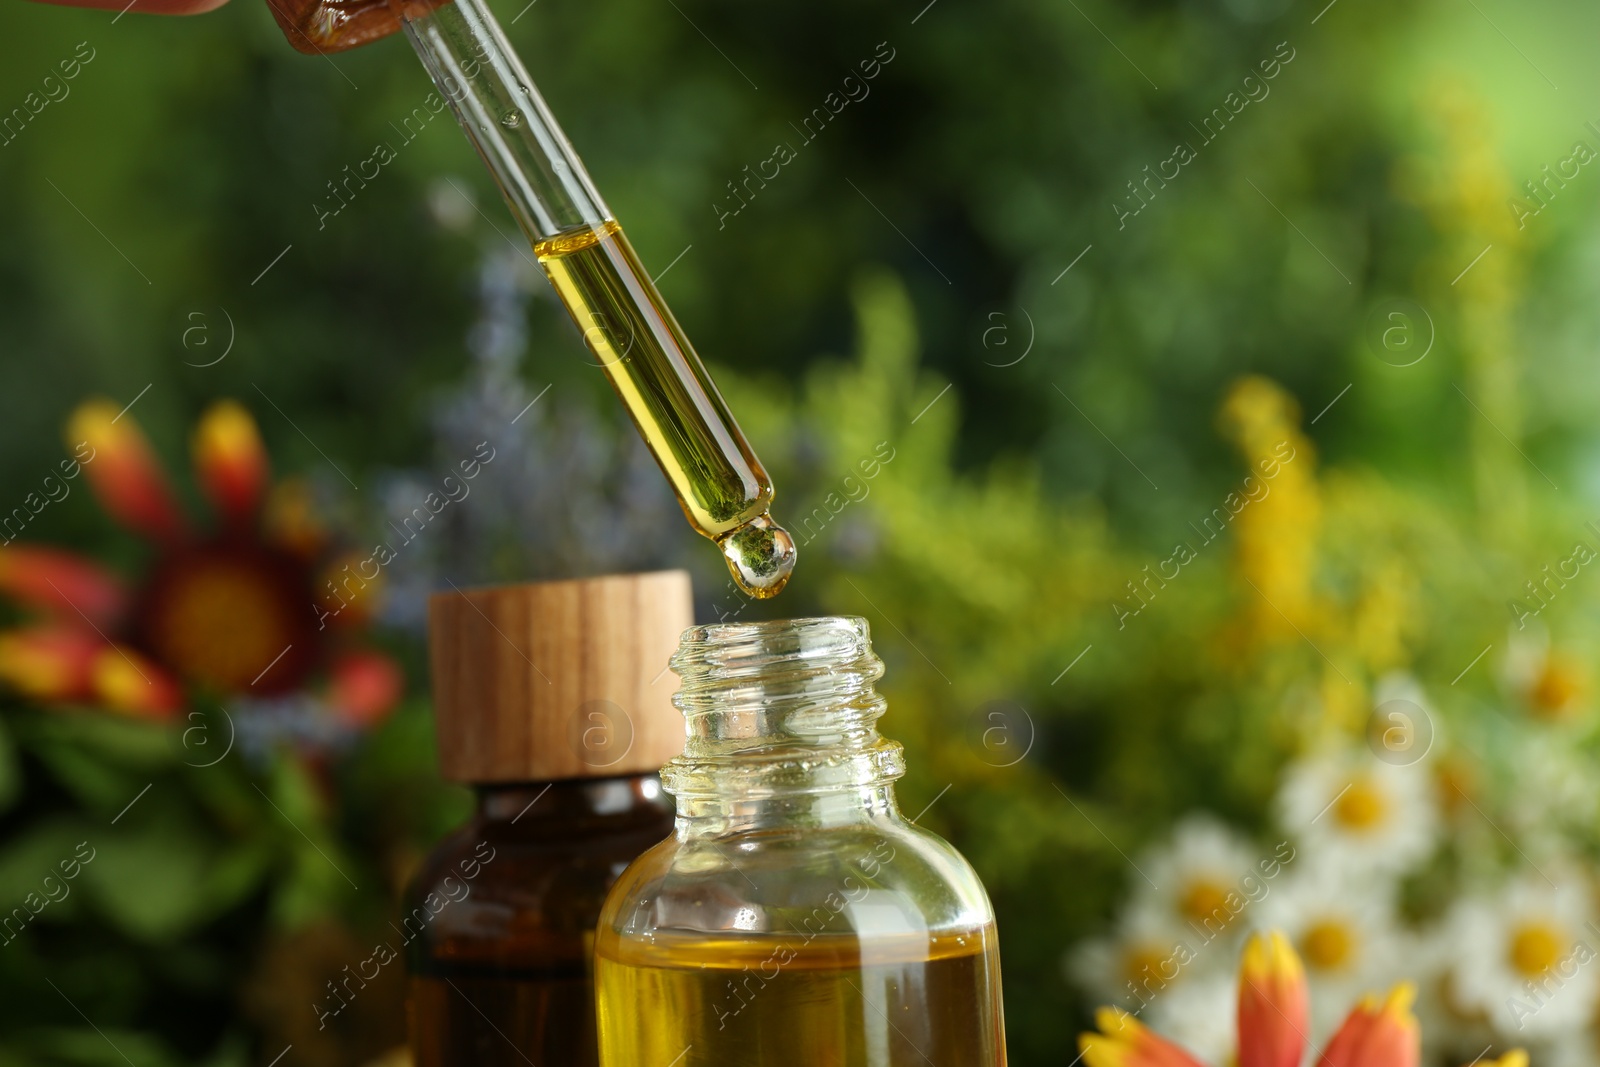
(760, 556)
(511, 119)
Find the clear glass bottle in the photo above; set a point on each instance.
(794, 917)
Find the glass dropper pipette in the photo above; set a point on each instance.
(721, 485)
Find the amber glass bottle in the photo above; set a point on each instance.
(553, 704)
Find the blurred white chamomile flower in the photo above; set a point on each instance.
(1346, 933)
(1555, 792)
(1526, 956)
(1571, 1050)
(1142, 958)
(1350, 811)
(1551, 684)
(1203, 880)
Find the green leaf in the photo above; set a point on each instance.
(151, 878)
(25, 864)
(320, 873)
(101, 760)
(119, 740)
(88, 1047)
(10, 771)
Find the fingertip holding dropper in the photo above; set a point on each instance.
(760, 556)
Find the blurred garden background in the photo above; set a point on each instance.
(1237, 511)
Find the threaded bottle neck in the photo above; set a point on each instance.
(778, 709)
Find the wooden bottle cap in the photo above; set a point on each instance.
(551, 680)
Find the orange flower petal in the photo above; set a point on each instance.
(62, 583)
(123, 680)
(230, 460)
(1378, 1034)
(49, 663)
(1123, 1041)
(123, 470)
(347, 593)
(291, 522)
(1274, 1007)
(365, 686)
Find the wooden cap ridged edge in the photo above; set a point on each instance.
(552, 680)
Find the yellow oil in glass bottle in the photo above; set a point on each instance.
(794, 918)
(776, 1004)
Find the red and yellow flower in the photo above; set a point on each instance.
(1274, 1007)
(1124, 1041)
(1273, 1021)
(229, 612)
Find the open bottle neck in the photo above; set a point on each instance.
(718, 816)
(781, 721)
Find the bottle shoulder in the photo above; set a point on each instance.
(489, 890)
(564, 828)
(880, 876)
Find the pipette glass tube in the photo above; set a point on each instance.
(633, 337)
(721, 485)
